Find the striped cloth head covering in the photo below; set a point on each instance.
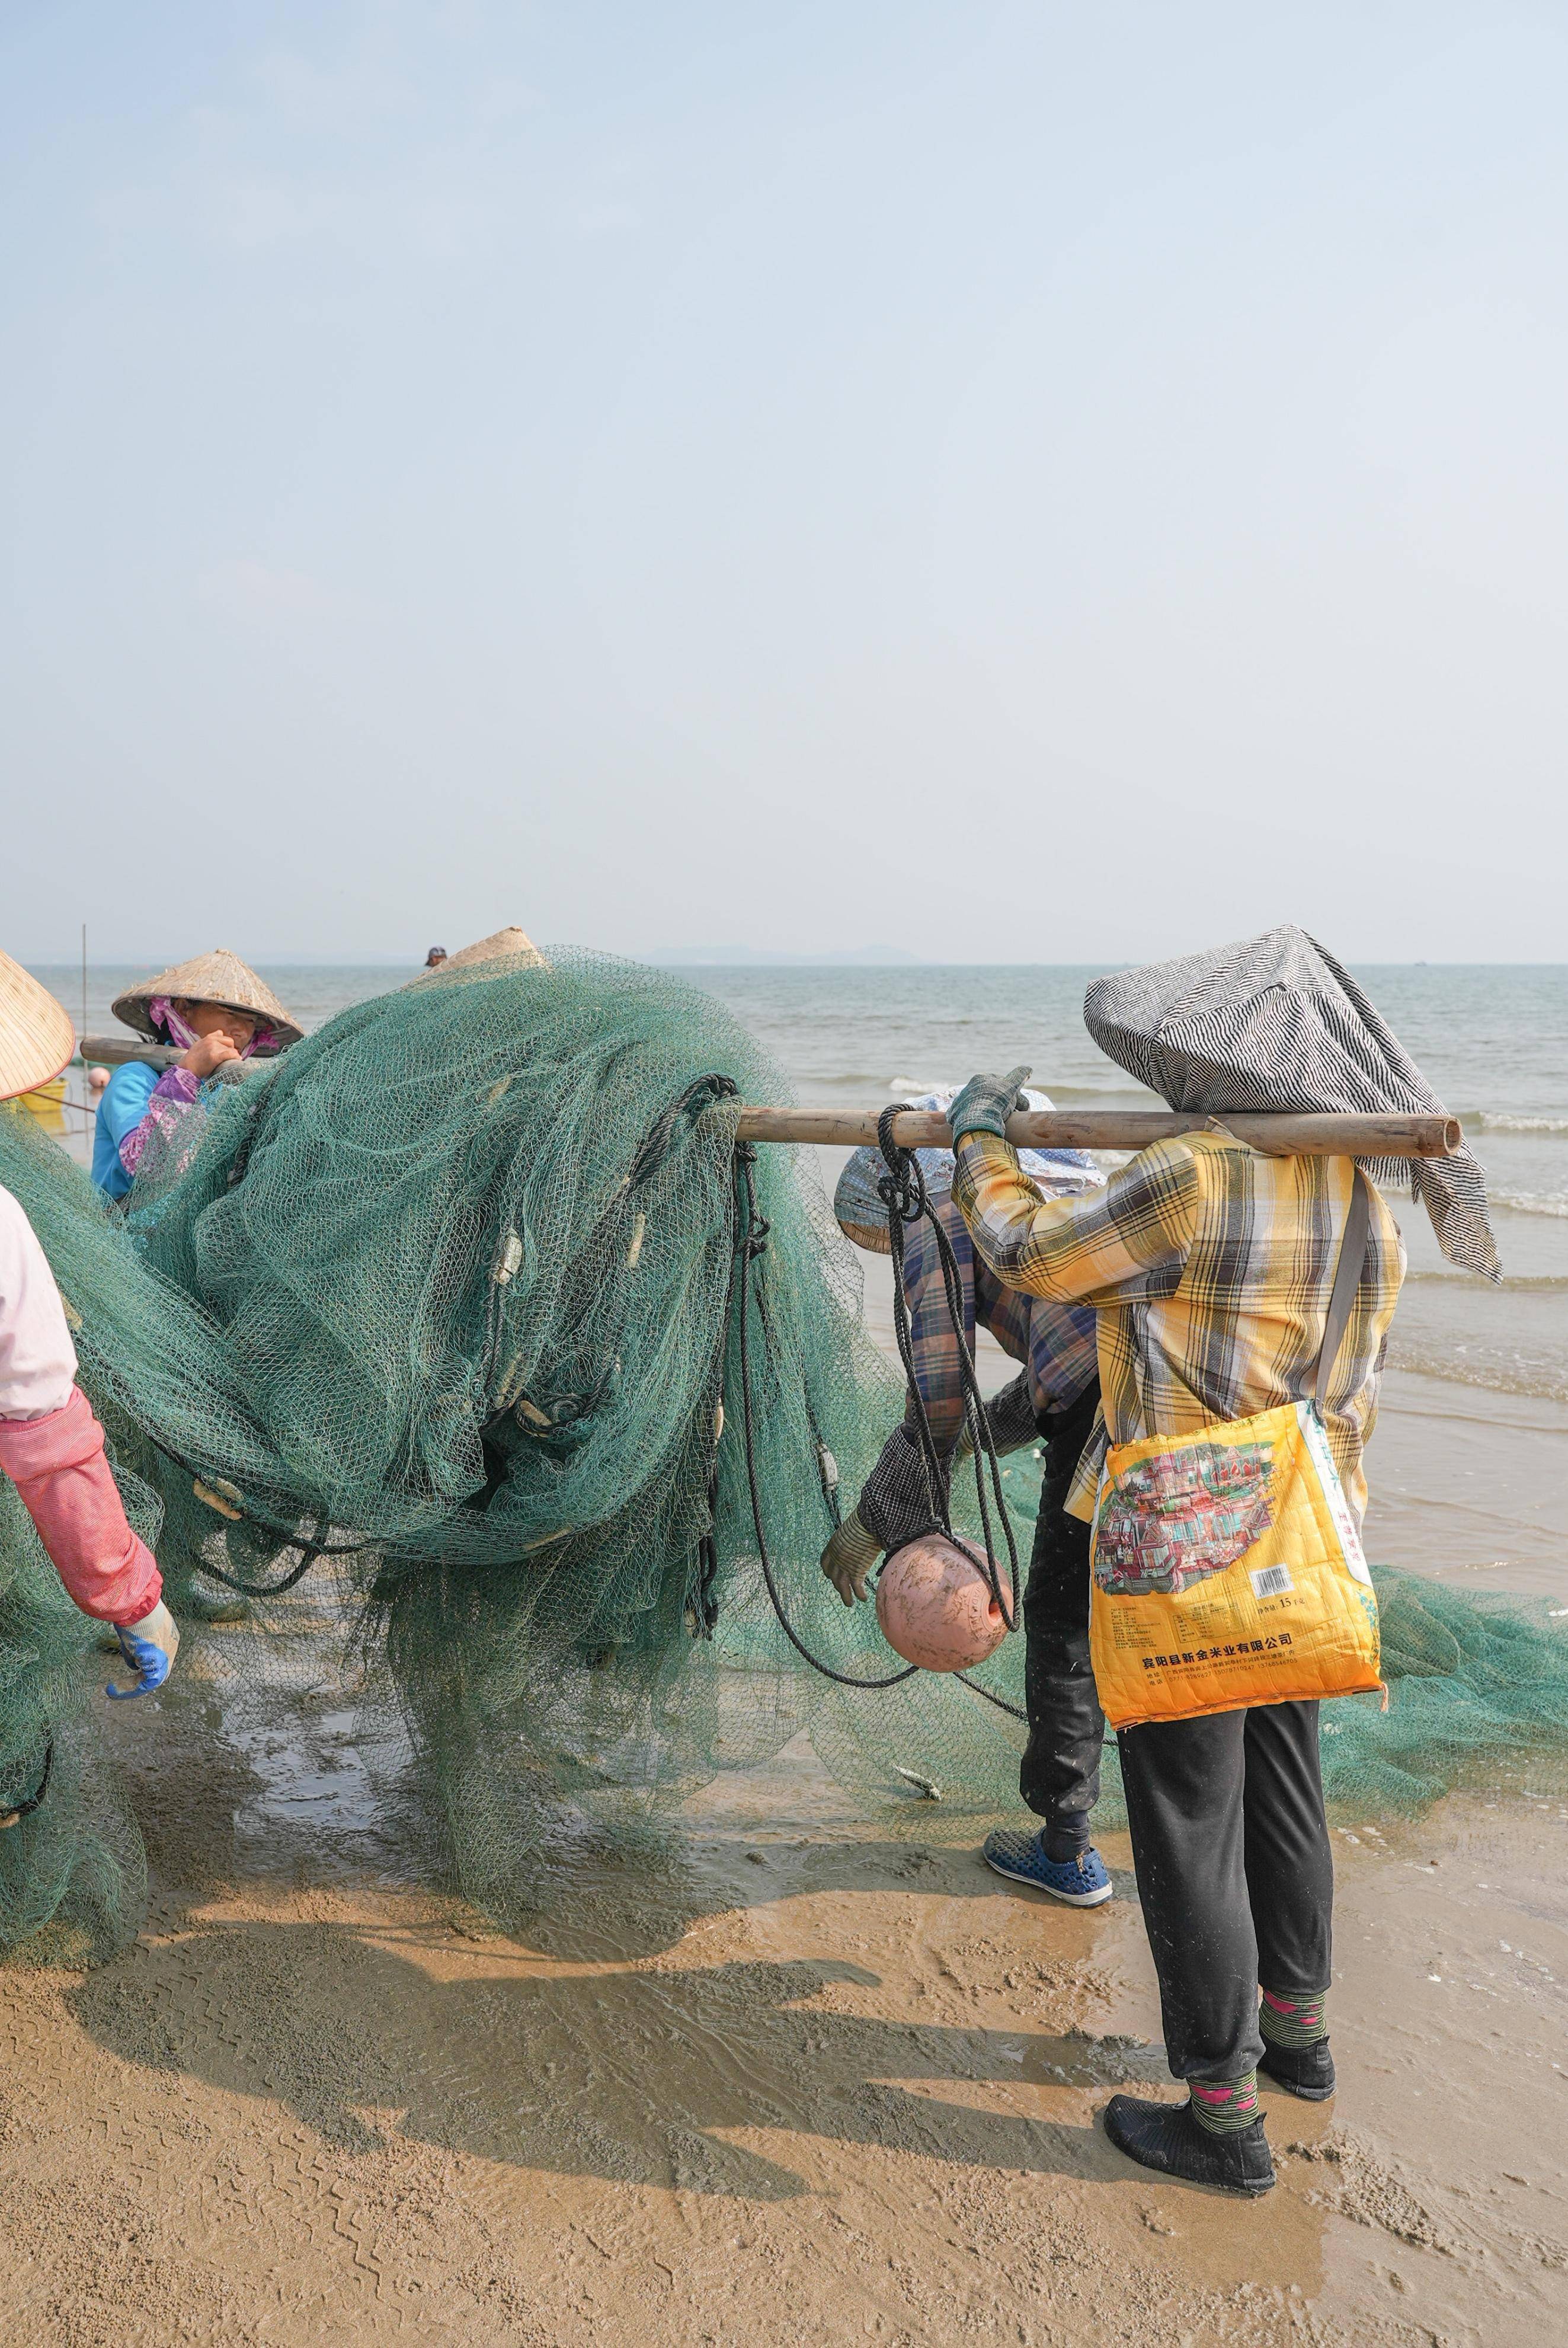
(1275, 1023)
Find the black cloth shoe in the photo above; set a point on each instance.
(1305, 2071)
(1166, 2136)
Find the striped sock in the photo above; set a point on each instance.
(1225, 2106)
(1293, 2021)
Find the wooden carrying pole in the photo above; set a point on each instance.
(1280, 1133)
(114, 1051)
(1287, 1136)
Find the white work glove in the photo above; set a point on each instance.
(150, 1648)
(850, 1558)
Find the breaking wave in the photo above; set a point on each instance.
(1531, 1202)
(1463, 1367)
(1499, 1121)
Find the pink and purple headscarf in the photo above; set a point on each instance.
(160, 1010)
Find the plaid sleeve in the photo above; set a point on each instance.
(1089, 1249)
(932, 1340)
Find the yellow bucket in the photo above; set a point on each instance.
(47, 1105)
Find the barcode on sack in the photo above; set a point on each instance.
(1270, 1580)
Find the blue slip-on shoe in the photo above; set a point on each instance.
(1082, 1882)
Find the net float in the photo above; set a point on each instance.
(934, 1605)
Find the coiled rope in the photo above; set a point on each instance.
(903, 1192)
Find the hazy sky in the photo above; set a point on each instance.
(1019, 482)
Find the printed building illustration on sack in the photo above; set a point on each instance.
(1181, 1516)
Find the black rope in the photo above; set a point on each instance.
(751, 1240)
(276, 1589)
(703, 1599)
(289, 1535)
(699, 1094)
(902, 1191)
(1015, 1711)
(11, 1811)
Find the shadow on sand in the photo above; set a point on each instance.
(623, 2074)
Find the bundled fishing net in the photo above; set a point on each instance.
(437, 1316)
(432, 1328)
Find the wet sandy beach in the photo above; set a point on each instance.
(774, 2075)
(770, 2079)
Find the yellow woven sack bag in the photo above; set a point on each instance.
(1225, 1565)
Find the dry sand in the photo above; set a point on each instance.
(771, 2083)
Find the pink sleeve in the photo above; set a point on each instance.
(58, 1466)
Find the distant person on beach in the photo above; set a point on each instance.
(51, 1445)
(510, 944)
(1210, 1266)
(215, 1011)
(1053, 1401)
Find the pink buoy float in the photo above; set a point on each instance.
(935, 1606)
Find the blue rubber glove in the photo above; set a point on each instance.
(985, 1103)
(150, 1648)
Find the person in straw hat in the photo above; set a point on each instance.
(51, 1445)
(1053, 1399)
(216, 1011)
(1213, 1272)
(510, 944)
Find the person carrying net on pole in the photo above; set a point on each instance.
(1243, 1303)
(216, 1012)
(51, 1444)
(1053, 1400)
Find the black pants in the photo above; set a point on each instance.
(1061, 1768)
(1235, 1872)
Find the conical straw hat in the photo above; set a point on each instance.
(36, 1037)
(500, 946)
(216, 977)
(503, 945)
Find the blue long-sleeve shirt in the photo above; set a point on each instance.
(123, 1105)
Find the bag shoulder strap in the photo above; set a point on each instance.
(1346, 1280)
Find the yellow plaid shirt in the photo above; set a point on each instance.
(1210, 1267)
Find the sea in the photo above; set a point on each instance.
(1468, 1465)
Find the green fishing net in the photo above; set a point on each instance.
(427, 1335)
